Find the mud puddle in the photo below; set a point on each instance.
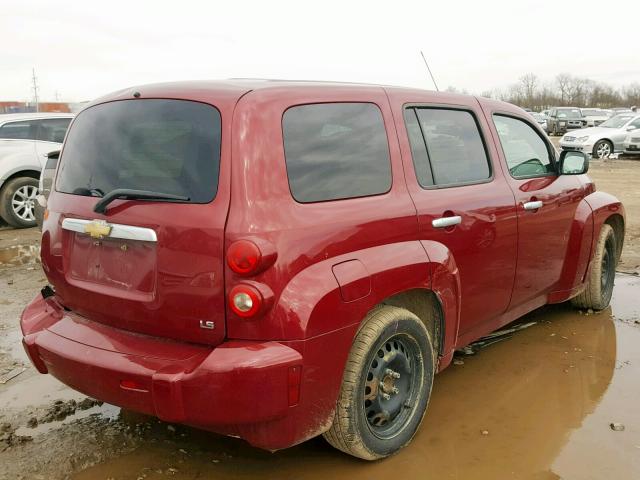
(537, 405)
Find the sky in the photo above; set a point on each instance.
(83, 49)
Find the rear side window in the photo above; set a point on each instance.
(336, 151)
(52, 129)
(24, 130)
(446, 146)
(524, 149)
(163, 146)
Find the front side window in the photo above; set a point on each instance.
(52, 129)
(24, 130)
(526, 152)
(446, 146)
(336, 151)
(164, 146)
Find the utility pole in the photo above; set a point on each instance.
(432, 79)
(35, 89)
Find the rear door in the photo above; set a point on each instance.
(153, 267)
(546, 205)
(463, 203)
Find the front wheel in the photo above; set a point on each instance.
(386, 385)
(602, 149)
(599, 288)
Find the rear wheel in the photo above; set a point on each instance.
(599, 289)
(17, 202)
(386, 385)
(602, 149)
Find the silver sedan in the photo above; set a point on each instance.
(604, 140)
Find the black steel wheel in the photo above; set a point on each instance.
(389, 390)
(386, 385)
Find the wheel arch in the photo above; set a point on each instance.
(29, 173)
(425, 305)
(607, 209)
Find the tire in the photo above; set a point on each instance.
(392, 341)
(600, 149)
(600, 280)
(17, 202)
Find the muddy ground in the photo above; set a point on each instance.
(538, 405)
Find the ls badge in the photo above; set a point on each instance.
(207, 324)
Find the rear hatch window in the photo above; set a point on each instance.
(155, 265)
(158, 145)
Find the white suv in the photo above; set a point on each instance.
(25, 141)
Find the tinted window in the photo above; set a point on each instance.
(455, 153)
(418, 148)
(52, 129)
(165, 146)
(526, 152)
(25, 130)
(335, 151)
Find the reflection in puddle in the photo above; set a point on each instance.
(543, 398)
(20, 255)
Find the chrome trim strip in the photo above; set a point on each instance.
(126, 232)
(446, 221)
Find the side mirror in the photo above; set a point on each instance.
(573, 163)
(631, 128)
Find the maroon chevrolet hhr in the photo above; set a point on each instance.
(277, 260)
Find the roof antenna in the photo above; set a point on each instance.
(432, 79)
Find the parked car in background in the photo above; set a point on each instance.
(619, 110)
(540, 119)
(545, 113)
(595, 116)
(604, 140)
(397, 226)
(563, 119)
(631, 145)
(25, 141)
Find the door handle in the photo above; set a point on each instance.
(446, 221)
(532, 205)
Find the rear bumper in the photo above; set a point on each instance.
(222, 389)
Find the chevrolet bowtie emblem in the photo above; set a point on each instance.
(97, 229)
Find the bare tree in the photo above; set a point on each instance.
(528, 87)
(565, 89)
(563, 80)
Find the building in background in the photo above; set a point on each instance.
(52, 107)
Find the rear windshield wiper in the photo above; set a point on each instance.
(101, 205)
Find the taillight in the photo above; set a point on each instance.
(243, 257)
(245, 300)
